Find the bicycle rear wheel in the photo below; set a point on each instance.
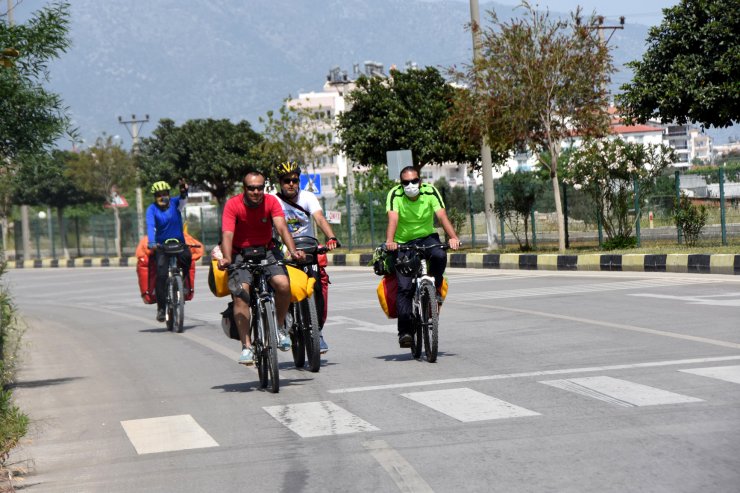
(429, 321)
(178, 309)
(311, 333)
(296, 337)
(170, 303)
(270, 350)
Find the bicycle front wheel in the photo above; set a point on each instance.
(429, 321)
(311, 333)
(258, 347)
(178, 302)
(270, 349)
(170, 306)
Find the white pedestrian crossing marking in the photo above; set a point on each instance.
(315, 419)
(467, 405)
(726, 373)
(167, 434)
(620, 392)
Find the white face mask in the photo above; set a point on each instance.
(411, 190)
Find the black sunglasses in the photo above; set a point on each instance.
(407, 182)
(291, 180)
(252, 188)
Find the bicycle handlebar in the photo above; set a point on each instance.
(246, 264)
(420, 248)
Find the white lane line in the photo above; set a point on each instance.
(588, 321)
(315, 419)
(503, 376)
(695, 300)
(582, 288)
(467, 405)
(401, 472)
(620, 392)
(726, 373)
(167, 434)
(360, 325)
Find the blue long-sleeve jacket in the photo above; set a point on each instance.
(162, 225)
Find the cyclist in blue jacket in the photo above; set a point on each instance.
(164, 222)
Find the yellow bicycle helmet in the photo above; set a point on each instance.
(160, 186)
(288, 168)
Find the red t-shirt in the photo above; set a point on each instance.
(252, 226)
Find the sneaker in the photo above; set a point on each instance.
(405, 340)
(247, 357)
(323, 346)
(439, 299)
(160, 315)
(283, 341)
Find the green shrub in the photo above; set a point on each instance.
(690, 219)
(619, 243)
(13, 422)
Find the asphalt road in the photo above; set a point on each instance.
(546, 381)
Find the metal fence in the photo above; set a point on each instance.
(361, 221)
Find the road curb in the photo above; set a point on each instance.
(636, 262)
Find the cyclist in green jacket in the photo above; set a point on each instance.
(412, 207)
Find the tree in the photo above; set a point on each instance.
(211, 154)
(32, 118)
(691, 69)
(44, 180)
(296, 133)
(406, 111)
(538, 82)
(516, 204)
(607, 171)
(100, 170)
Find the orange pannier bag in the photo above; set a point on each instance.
(146, 269)
(387, 291)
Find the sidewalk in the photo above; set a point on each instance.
(676, 262)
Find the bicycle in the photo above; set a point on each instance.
(425, 310)
(263, 320)
(304, 320)
(175, 288)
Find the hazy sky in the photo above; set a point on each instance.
(648, 12)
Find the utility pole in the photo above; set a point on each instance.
(132, 126)
(600, 27)
(25, 221)
(485, 150)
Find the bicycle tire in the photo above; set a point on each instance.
(169, 306)
(416, 337)
(179, 305)
(311, 333)
(429, 321)
(270, 349)
(296, 337)
(257, 347)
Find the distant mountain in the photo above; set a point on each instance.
(237, 59)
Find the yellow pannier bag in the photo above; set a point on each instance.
(301, 284)
(442, 290)
(218, 280)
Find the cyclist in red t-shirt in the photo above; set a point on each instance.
(247, 221)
